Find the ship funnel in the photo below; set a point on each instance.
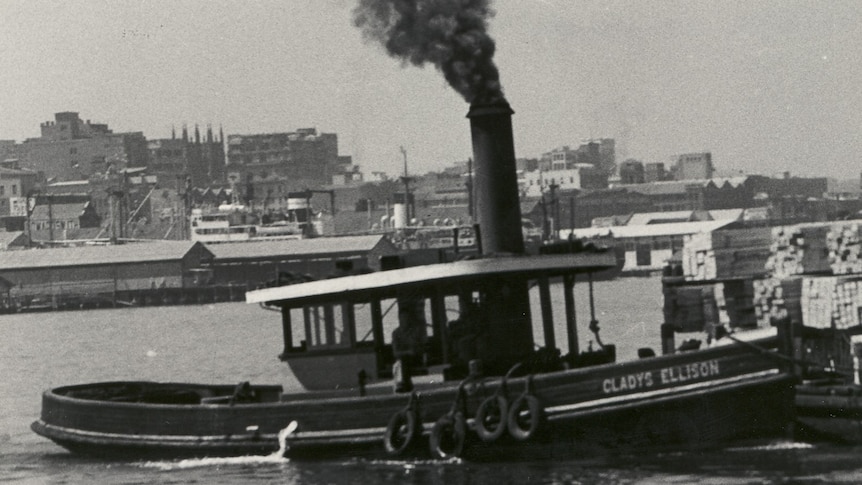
(507, 301)
(495, 178)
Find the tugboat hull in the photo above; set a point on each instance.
(692, 400)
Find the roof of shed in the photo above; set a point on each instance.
(96, 255)
(10, 237)
(59, 212)
(295, 247)
(671, 229)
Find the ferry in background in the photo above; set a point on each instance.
(236, 223)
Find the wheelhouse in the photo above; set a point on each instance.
(338, 333)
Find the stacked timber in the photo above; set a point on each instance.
(809, 274)
(726, 254)
(842, 244)
(683, 308)
(832, 302)
(699, 307)
(738, 298)
(822, 302)
(768, 301)
(779, 252)
(797, 250)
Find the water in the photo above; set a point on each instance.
(232, 342)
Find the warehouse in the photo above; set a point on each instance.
(648, 246)
(103, 269)
(258, 262)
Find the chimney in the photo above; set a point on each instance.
(495, 179)
(507, 302)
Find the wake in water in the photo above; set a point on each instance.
(275, 457)
(411, 464)
(776, 446)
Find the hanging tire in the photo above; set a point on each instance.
(491, 418)
(525, 416)
(401, 432)
(447, 436)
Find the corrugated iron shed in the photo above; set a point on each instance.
(143, 252)
(298, 247)
(650, 230)
(644, 218)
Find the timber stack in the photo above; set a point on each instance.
(807, 275)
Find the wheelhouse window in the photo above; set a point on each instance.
(328, 326)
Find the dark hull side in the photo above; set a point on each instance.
(830, 412)
(698, 399)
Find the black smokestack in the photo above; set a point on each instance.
(450, 34)
(498, 207)
(498, 210)
(453, 36)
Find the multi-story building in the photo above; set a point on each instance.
(558, 159)
(599, 153)
(70, 149)
(8, 150)
(693, 166)
(655, 172)
(632, 172)
(203, 160)
(15, 185)
(573, 208)
(304, 158)
(576, 176)
(262, 169)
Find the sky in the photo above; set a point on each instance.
(766, 86)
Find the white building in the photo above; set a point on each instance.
(536, 182)
(649, 242)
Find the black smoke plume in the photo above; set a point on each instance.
(450, 34)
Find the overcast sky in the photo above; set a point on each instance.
(766, 86)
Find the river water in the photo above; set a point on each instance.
(232, 342)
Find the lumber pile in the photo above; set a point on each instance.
(806, 275)
(842, 244)
(699, 307)
(768, 301)
(797, 250)
(809, 274)
(725, 254)
(831, 302)
(780, 252)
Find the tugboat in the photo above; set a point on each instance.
(440, 360)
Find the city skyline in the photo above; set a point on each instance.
(764, 87)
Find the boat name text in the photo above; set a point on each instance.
(667, 375)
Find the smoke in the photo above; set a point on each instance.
(450, 34)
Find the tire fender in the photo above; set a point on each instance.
(447, 436)
(491, 418)
(401, 432)
(525, 416)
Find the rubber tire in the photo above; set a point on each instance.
(448, 435)
(401, 432)
(515, 423)
(494, 408)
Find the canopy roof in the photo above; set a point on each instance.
(428, 278)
